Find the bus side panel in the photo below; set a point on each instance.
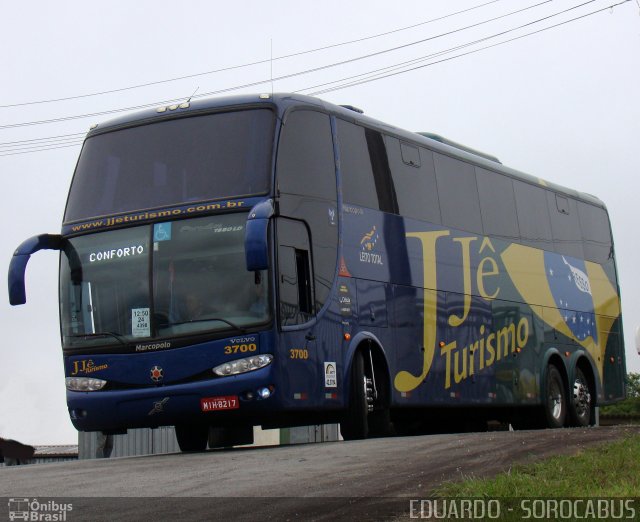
(473, 313)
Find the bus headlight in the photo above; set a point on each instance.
(84, 384)
(248, 364)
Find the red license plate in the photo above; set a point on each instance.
(229, 402)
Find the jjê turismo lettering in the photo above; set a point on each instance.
(172, 212)
(142, 217)
(87, 366)
(489, 348)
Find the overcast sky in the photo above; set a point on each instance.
(563, 105)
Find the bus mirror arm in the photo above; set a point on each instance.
(18, 264)
(255, 239)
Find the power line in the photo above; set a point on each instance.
(385, 51)
(61, 137)
(377, 74)
(90, 115)
(12, 148)
(381, 76)
(43, 144)
(250, 64)
(41, 149)
(280, 78)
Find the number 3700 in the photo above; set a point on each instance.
(240, 348)
(297, 353)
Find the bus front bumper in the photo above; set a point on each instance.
(215, 401)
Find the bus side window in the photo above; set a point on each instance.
(387, 199)
(458, 191)
(414, 179)
(533, 215)
(596, 234)
(366, 176)
(497, 204)
(304, 281)
(305, 164)
(306, 180)
(294, 273)
(565, 226)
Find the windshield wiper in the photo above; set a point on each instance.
(117, 337)
(204, 319)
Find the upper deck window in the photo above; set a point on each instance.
(366, 176)
(596, 233)
(197, 158)
(414, 179)
(458, 191)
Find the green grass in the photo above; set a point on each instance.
(611, 470)
(627, 409)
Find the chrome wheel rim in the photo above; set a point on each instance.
(581, 398)
(555, 400)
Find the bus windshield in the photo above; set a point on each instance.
(159, 281)
(182, 160)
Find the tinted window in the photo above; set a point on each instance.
(596, 234)
(533, 215)
(305, 156)
(104, 284)
(171, 162)
(565, 227)
(381, 173)
(307, 181)
(191, 279)
(414, 179)
(294, 273)
(458, 192)
(358, 184)
(497, 204)
(288, 285)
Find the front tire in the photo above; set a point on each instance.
(192, 437)
(580, 404)
(555, 399)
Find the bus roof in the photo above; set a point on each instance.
(282, 102)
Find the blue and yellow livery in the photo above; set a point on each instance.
(277, 260)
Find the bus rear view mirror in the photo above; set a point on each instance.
(255, 239)
(18, 265)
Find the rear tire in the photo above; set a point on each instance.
(354, 424)
(580, 403)
(555, 399)
(192, 437)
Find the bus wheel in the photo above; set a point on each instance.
(580, 405)
(192, 437)
(379, 420)
(354, 424)
(555, 399)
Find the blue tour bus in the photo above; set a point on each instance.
(277, 260)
